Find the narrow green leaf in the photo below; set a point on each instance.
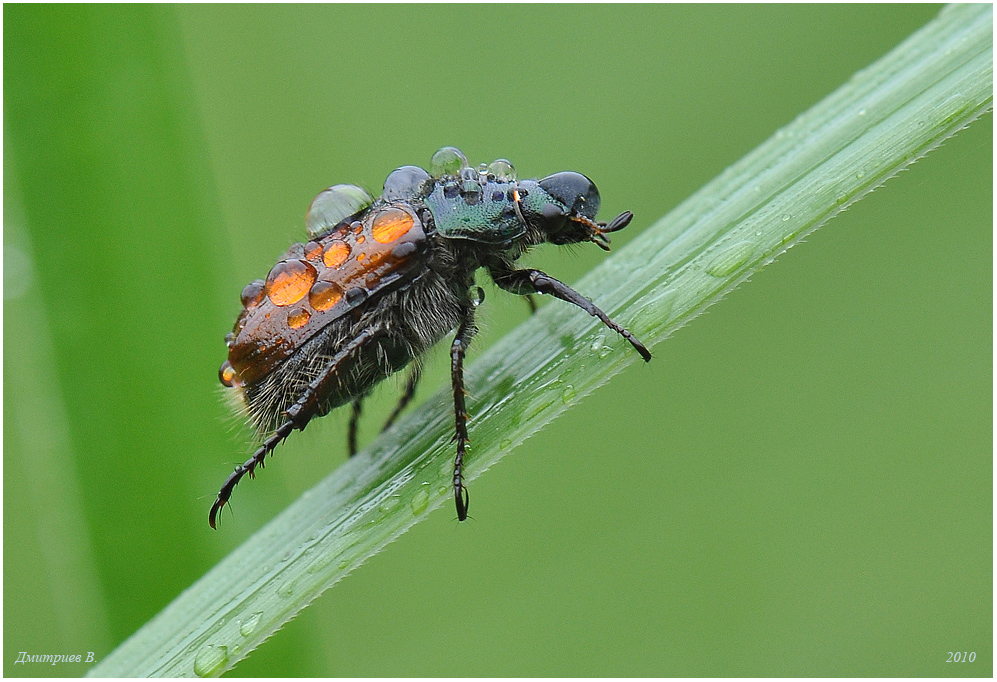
(883, 119)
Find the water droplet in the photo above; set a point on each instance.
(841, 198)
(502, 170)
(388, 504)
(336, 254)
(504, 444)
(210, 660)
(391, 224)
(447, 161)
(860, 175)
(786, 217)
(568, 394)
(289, 281)
(227, 374)
(297, 317)
(598, 342)
(248, 626)
(286, 590)
(404, 184)
(252, 294)
(419, 502)
(443, 490)
(335, 205)
(477, 296)
(324, 295)
(731, 259)
(356, 296)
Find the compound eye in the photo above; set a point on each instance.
(333, 206)
(405, 183)
(578, 194)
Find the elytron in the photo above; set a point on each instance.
(382, 280)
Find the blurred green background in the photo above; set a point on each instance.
(800, 483)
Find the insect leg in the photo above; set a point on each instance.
(248, 467)
(351, 434)
(531, 303)
(413, 380)
(465, 332)
(305, 407)
(529, 281)
(298, 415)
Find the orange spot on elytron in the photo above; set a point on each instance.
(390, 224)
(336, 254)
(324, 295)
(297, 317)
(361, 256)
(357, 226)
(313, 250)
(289, 281)
(361, 239)
(227, 374)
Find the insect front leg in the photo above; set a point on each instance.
(465, 332)
(528, 281)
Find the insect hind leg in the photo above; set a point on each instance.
(351, 433)
(248, 467)
(307, 405)
(410, 385)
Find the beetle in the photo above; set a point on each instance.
(381, 281)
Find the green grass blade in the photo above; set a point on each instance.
(883, 119)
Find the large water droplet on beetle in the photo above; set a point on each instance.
(447, 161)
(336, 254)
(334, 205)
(391, 224)
(405, 183)
(289, 281)
(210, 660)
(502, 170)
(324, 295)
